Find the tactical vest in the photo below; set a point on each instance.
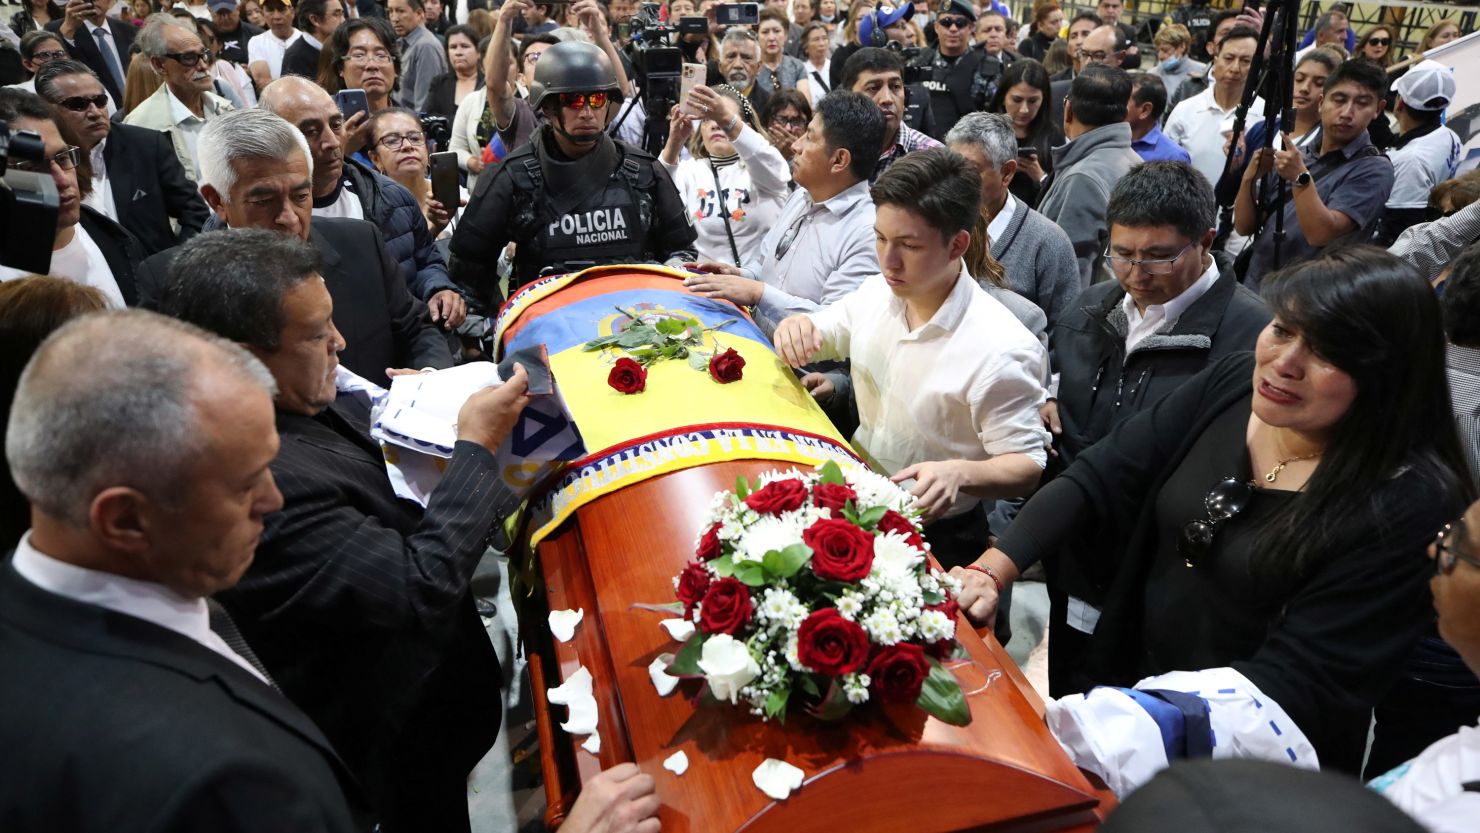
(608, 224)
(958, 88)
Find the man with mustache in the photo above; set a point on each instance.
(183, 103)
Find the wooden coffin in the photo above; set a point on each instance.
(893, 770)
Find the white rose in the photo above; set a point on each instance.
(727, 666)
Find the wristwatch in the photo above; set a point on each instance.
(1303, 179)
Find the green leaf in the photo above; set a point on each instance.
(698, 362)
(676, 608)
(809, 685)
(671, 326)
(636, 337)
(871, 518)
(742, 487)
(752, 573)
(686, 662)
(831, 473)
(941, 697)
(850, 515)
(934, 597)
(834, 705)
(724, 566)
(786, 563)
(776, 703)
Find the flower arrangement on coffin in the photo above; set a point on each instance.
(814, 588)
(651, 338)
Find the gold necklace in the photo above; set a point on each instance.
(1274, 473)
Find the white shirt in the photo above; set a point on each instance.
(1163, 316)
(80, 261)
(999, 224)
(348, 205)
(1198, 125)
(189, 124)
(267, 48)
(1429, 786)
(817, 80)
(829, 255)
(963, 386)
(154, 603)
(101, 198)
(1421, 164)
(753, 191)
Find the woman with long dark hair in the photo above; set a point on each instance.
(1263, 528)
(1023, 95)
(34, 15)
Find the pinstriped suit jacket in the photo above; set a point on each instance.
(358, 602)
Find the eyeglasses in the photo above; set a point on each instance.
(1227, 498)
(1101, 56)
(533, 58)
(790, 236)
(367, 57)
(189, 59)
(1160, 266)
(579, 101)
(66, 160)
(80, 103)
(43, 57)
(789, 121)
(1446, 555)
(393, 141)
(1379, 41)
(953, 22)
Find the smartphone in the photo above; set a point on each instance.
(1028, 152)
(445, 177)
(691, 76)
(737, 14)
(351, 102)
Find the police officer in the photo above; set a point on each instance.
(960, 79)
(570, 197)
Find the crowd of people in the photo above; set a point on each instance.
(1218, 389)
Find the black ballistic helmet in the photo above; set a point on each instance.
(572, 67)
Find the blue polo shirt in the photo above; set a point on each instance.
(1350, 181)
(1156, 147)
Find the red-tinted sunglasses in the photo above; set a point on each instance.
(577, 101)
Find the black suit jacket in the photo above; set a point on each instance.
(301, 59)
(442, 97)
(359, 605)
(114, 723)
(123, 252)
(383, 326)
(85, 49)
(150, 186)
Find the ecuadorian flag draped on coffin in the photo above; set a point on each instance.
(684, 418)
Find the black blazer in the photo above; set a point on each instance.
(383, 326)
(123, 251)
(358, 603)
(85, 49)
(150, 186)
(442, 98)
(114, 723)
(302, 59)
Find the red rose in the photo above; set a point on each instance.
(627, 377)
(895, 522)
(897, 672)
(829, 644)
(778, 496)
(832, 496)
(709, 546)
(840, 550)
(726, 607)
(692, 584)
(948, 607)
(726, 367)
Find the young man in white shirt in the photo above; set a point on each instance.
(947, 380)
(1427, 152)
(1201, 123)
(265, 51)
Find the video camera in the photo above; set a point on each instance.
(28, 204)
(659, 64)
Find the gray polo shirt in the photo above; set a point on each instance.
(1350, 181)
(422, 59)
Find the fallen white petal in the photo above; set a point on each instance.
(575, 695)
(677, 763)
(563, 623)
(679, 630)
(593, 743)
(664, 682)
(777, 778)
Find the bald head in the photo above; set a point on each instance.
(313, 111)
(140, 459)
(1101, 46)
